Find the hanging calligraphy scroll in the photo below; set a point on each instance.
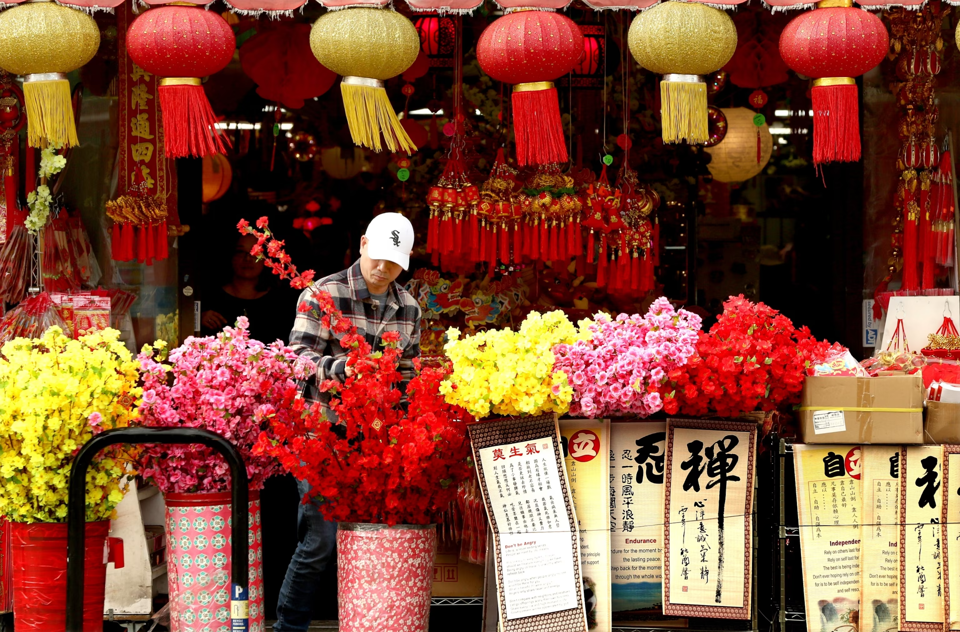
(708, 518)
(880, 535)
(586, 443)
(921, 543)
(951, 535)
(637, 451)
(829, 508)
(536, 541)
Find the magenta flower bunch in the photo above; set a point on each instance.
(618, 370)
(228, 384)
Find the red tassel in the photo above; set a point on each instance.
(128, 240)
(636, 276)
(446, 236)
(116, 246)
(151, 243)
(648, 281)
(910, 281)
(554, 232)
(544, 240)
(482, 253)
(577, 239)
(161, 249)
(571, 239)
(517, 243)
(492, 252)
(537, 126)
(614, 270)
(534, 252)
(602, 266)
(188, 123)
(504, 244)
(141, 244)
(590, 246)
(836, 124)
(433, 230)
(656, 244)
(457, 236)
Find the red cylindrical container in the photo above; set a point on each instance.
(198, 562)
(384, 576)
(40, 576)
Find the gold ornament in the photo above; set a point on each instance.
(42, 41)
(734, 159)
(683, 41)
(368, 46)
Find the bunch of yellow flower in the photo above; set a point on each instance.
(511, 372)
(56, 394)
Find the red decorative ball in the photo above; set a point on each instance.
(834, 42)
(181, 41)
(530, 46)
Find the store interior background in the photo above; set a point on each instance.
(813, 245)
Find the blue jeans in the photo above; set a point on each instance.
(315, 550)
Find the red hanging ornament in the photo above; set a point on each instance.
(278, 58)
(182, 44)
(531, 49)
(834, 44)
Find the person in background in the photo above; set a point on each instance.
(251, 292)
(368, 295)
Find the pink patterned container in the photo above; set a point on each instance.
(384, 576)
(198, 562)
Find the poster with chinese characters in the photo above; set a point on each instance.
(921, 543)
(708, 518)
(880, 538)
(536, 540)
(637, 452)
(585, 447)
(951, 534)
(829, 507)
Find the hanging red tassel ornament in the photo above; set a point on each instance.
(530, 49)
(182, 44)
(911, 217)
(833, 44)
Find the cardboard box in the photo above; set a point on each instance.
(858, 410)
(453, 577)
(942, 425)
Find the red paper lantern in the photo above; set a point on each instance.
(280, 61)
(182, 44)
(438, 38)
(531, 49)
(833, 44)
(588, 74)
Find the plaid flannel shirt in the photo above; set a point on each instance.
(311, 340)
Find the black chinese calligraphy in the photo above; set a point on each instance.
(650, 454)
(722, 462)
(694, 464)
(895, 466)
(929, 481)
(833, 465)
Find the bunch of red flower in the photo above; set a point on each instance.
(270, 251)
(381, 464)
(753, 359)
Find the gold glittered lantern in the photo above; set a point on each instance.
(683, 41)
(42, 42)
(368, 46)
(745, 149)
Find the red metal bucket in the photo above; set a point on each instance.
(40, 576)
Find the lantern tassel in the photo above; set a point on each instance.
(836, 120)
(683, 109)
(537, 124)
(49, 111)
(370, 114)
(188, 120)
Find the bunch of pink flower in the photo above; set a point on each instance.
(228, 384)
(619, 370)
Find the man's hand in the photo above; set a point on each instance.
(350, 372)
(212, 320)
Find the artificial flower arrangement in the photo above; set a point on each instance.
(40, 201)
(229, 384)
(510, 373)
(57, 394)
(619, 369)
(383, 462)
(752, 359)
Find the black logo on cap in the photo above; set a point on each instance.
(395, 236)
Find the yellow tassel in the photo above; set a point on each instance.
(368, 114)
(49, 113)
(683, 112)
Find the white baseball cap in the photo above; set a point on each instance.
(390, 237)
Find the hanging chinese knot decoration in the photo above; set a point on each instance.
(367, 47)
(501, 212)
(42, 42)
(183, 44)
(683, 41)
(453, 233)
(833, 44)
(531, 49)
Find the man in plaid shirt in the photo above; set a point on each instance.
(368, 295)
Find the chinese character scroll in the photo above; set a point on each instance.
(951, 535)
(536, 540)
(585, 447)
(921, 542)
(829, 507)
(708, 518)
